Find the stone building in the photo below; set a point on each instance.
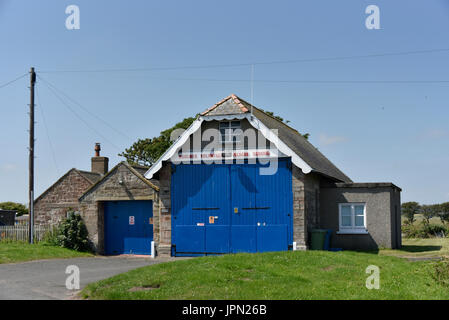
(237, 180)
(52, 205)
(230, 206)
(128, 199)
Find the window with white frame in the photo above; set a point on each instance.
(230, 131)
(352, 217)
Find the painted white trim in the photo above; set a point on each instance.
(256, 123)
(230, 117)
(280, 145)
(171, 151)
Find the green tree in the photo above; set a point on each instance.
(147, 151)
(428, 212)
(20, 208)
(443, 212)
(409, 209)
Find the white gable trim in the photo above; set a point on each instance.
(171, 151)
(266, 132)
(282, 147)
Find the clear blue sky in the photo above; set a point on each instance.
(375, 132)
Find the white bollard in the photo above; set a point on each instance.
(152, 250)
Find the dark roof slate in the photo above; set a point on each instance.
(93, 177)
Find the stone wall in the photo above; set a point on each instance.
(52, 207)
(312, 205)
(299, 209)
(164, 236)
(120, 184)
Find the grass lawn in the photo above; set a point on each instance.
(276, 275)
(20, 251)
(422, 248)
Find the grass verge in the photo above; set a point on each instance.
(11, 252)
(275, 275)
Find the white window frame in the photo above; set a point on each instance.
(230, 132)
(353, 228)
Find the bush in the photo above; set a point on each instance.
(441, 274)
(72, 233)
(425, 230)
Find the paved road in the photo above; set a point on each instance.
(45, 279)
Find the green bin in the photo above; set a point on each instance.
(318, 239)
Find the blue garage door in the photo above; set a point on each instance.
(128, 227)
(223, 208)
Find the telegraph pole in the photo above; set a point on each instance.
(31, 160)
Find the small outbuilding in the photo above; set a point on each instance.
(118, 211)
(7, 217)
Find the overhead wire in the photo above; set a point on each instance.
(41, 108)
(85, 109)
(79, 116)
(374, 55)
(12, 81)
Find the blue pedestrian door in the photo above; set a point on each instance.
(223, 208)
(128, 227)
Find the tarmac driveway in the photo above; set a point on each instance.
(45, 279)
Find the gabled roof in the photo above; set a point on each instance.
(229, 105)
(135, 169)
(90, 177)
(305, 153)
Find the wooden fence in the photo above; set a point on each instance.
(20, 232)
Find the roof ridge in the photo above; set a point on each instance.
(216, 105)
(261, 110)
(235, 99)
(90, 172)
(239, 103)
(127, 165)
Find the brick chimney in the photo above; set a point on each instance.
(99, 164)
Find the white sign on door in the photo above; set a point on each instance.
(131, 220)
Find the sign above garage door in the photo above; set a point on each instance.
(230, 155)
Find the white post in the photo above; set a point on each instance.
(153, 253)
(294, 246)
